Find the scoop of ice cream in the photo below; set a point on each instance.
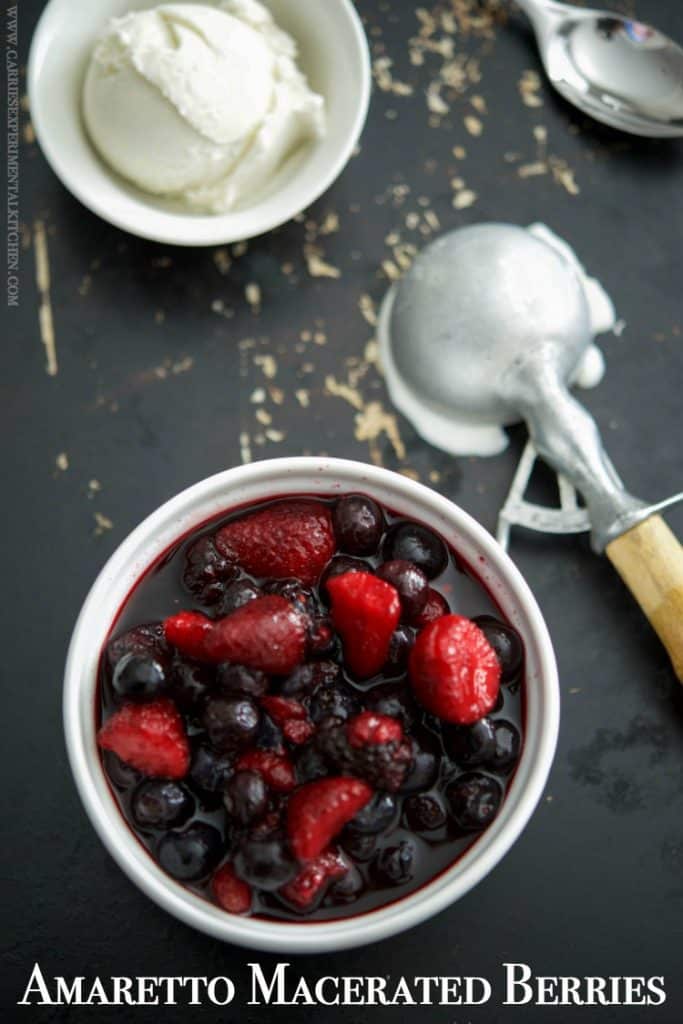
(198, 102)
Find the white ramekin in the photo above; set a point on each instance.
(326, 477)
(333, 52)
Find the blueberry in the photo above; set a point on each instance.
(122, 775)
(209, 771)
(423, 772)
(161, 803)
(348, 888)
(231, 722)
(266, 864)
(394, 700)
(410, 582)
(507, 644)
(415, 543)
(139, 677)
(245, 797)
(359, 847)
(507, 746)
(192, 854)
(269, 735)
(424, 813)
(394, 865)
(294, 592)
(237, 594)
(337, 567)
(376, 816)
(358, 524)
(207, 571)
(309, 764)
(308, 676)
(400, 646)
(474, 800)
(470, 745)
(337, 701)
(190, 683)
(240, 681)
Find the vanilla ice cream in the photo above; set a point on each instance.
(199, 103)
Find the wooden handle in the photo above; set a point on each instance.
(649, 559)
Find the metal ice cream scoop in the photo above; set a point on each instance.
(489, 327)
(619, 71)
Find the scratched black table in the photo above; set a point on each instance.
(167, 365)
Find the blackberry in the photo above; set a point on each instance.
(207, 571)
(384, 766)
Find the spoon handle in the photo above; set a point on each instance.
(649, 560)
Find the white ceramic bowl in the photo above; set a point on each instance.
(333, 54)
(326, 477)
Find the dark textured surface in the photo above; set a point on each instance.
(595, 884)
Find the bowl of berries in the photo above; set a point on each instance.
(309, 691)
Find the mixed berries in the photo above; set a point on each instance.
(318, 725)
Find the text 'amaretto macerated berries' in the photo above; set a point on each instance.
(318, 811)
(290, 539)
(454, 671)
(268, 634)
(365, 611)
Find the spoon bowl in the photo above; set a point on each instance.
(621, 72)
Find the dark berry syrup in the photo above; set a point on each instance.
(453, 784)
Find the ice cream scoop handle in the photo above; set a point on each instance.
(649, 559)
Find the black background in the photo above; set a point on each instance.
(595, 884)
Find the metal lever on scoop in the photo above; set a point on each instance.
(640, 545)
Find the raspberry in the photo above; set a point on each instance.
(150, 737)
(230, 892)
(454, 671)
(319, 810)
(372, 729)
(291, 539)
(383, 765)
(266, 634)
(291, 716)
(276, 769)
(307, 889)
(366, 611)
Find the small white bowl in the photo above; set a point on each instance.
(326, 477)
(333, 54)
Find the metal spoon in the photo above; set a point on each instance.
(619, 71)
(488, 327)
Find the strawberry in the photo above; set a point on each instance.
(365, 611)
(454, 671)
(305, 890)
(231, 893)
(370, 729)
(292, 539)
(319, 810)
(268, 634)
(150, 737)
(276, 770)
